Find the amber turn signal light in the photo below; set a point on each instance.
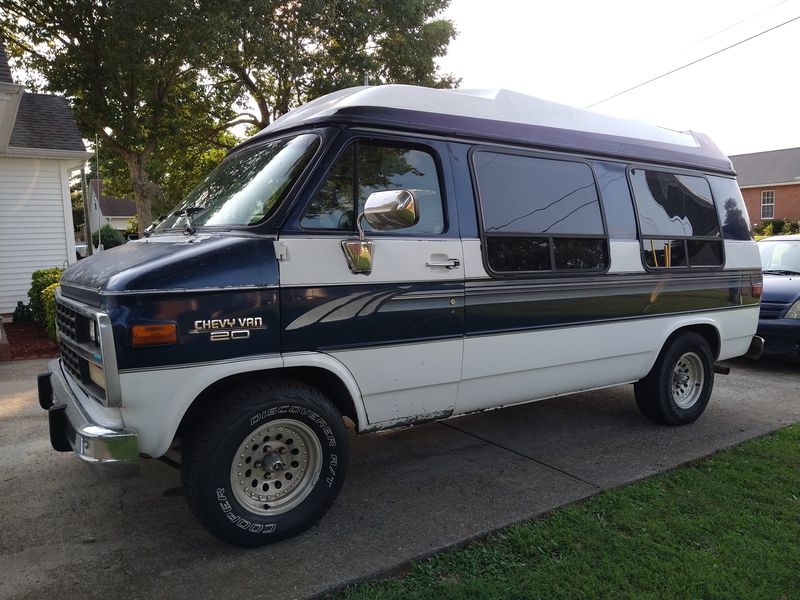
(154, 334)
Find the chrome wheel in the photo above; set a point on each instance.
(688, 378)
(276, 468)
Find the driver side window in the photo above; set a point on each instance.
(366, 167)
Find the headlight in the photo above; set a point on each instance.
(93, 331)
(793, 312)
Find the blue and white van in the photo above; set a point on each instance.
(385, 256)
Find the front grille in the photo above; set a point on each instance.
(76, 345)
(772, 310)
(66, 321)
(71, 361)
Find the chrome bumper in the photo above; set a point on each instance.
(71, 426)
(756, 348)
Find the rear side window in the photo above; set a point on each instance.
(539, 214)
(367, 167)
(731, 209)
(677, 219)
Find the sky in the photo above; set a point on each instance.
(579, 52)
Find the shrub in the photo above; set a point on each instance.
(777, 226)
(49, 303)
(22, 313)
(791, 227)
(39, 280)
(768, 229)
(110, 236)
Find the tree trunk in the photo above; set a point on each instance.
(145, 192)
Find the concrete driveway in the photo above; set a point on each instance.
(65, 533)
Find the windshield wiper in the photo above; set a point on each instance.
(188, 213)
(780, 272)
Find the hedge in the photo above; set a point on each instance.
(49, 303)
(39, 281)
(111, 237)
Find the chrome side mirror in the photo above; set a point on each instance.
(392, 209)
(384, 211)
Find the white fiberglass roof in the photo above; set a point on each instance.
(499, 105)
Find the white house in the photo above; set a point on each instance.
(40, 145)
(107, 210)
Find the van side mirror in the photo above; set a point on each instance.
(391, 209)
(384, 211)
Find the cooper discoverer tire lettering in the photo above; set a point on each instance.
(266, 463)
(677, 389)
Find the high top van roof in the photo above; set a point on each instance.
(503, 115)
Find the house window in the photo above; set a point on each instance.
(677, 219)
(768, 204)
(539, 215)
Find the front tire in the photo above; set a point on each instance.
(267, 463)
(678, 387)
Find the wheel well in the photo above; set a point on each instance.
(708, 332)
(325, 381)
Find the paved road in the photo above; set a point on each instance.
(64, 533)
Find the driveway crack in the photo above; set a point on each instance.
(520, 454)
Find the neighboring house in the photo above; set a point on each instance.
(770, 184)
(105, 210)
(40, 146)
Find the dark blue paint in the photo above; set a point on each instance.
(184, 310)
(365, 315)
(705, 156)
(183, 262)
(493, 307)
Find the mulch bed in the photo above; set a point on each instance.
(29, 340)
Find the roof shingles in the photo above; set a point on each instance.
(46, 122)
(766, 168)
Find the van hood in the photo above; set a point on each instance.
(781, 288)
(172, 263)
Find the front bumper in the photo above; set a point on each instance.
(72, 427)
(781, 336)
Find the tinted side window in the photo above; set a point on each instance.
(674, 205)
(539, 214)
(367, 167)
(612, 179)
(731, 209)
(521, 194)
(677, 219)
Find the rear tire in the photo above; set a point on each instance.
(266, 463)
(678, 387)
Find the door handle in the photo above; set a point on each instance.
(447, 263)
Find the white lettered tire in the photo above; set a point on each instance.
(266, 462)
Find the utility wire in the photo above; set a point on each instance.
(694, 62)
(753, 16)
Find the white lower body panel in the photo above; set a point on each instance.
(517, 367)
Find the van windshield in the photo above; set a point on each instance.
(246, 187)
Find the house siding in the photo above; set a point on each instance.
(33, 224)
(787, 202)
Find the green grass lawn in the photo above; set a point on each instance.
(723, 527)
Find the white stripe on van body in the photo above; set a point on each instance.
(511, 368)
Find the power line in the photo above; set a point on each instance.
(753, 16)
(694, 62)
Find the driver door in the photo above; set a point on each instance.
(399, 328)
